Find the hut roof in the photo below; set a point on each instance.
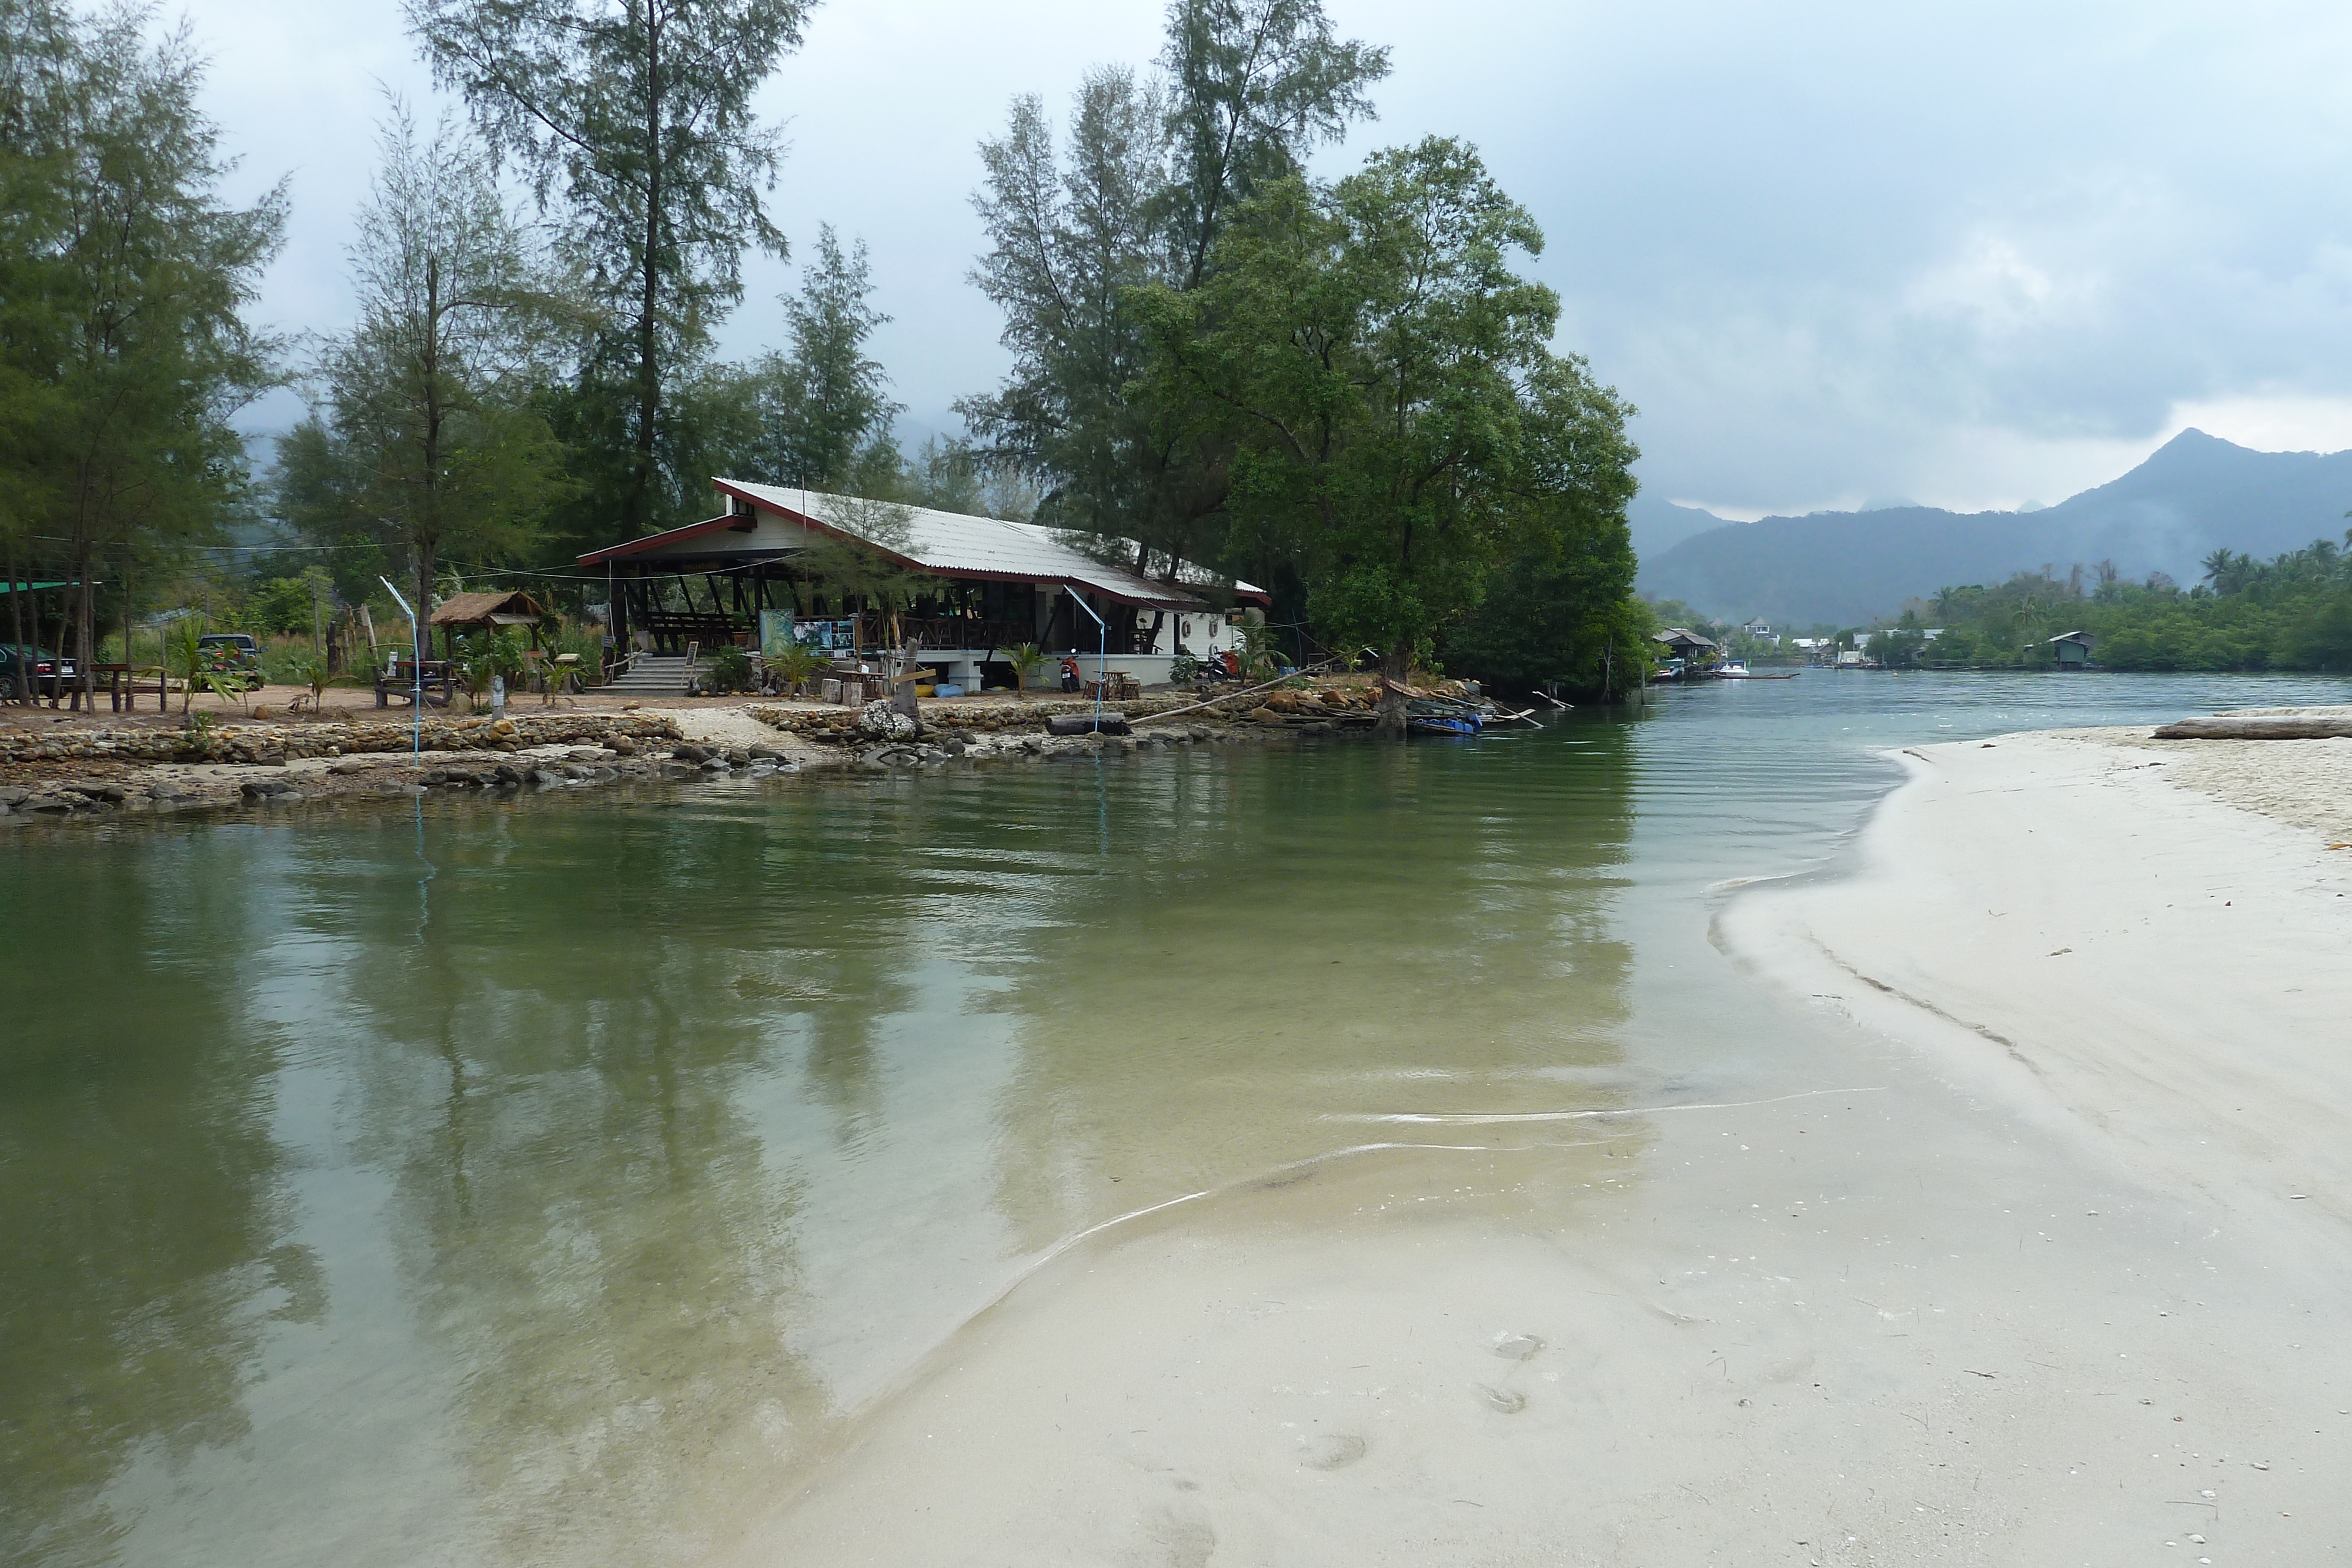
(510, 607)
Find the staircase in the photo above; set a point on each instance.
(652, 675)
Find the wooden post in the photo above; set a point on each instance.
(902, 697)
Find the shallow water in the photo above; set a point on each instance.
(520, 1181)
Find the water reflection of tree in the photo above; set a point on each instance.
(598, 1238)
(1281, 937)
(142, 1250)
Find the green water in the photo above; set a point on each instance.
(529, 1181)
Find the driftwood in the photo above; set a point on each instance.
(2282, 727)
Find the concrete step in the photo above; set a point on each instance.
(653, 677)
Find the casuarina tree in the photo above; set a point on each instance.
(123, 351)
(633, 120)
(1135, 191)
(428, 434)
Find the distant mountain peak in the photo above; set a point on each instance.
(2196, 493)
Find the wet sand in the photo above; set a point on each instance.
(2015, 1234)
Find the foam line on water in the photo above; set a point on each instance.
(1493, 1118)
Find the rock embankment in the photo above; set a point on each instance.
(267, 744)
(1296, 708)
(72, 773)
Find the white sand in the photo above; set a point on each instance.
(2029, 1248)
(2169, 966)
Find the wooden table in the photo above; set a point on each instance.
(122, 685)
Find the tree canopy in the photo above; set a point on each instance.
(124, 350)
(633, 122)
(1401, 431)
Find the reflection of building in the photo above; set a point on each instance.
(981, 585)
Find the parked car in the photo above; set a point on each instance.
(234, 653)
(42, 675)
(243, 653)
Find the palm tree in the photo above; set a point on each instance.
(1026, 660)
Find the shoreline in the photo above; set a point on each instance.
(2106, 929)
(91, 772)
(2012, 1262)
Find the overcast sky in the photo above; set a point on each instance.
(1969, 255)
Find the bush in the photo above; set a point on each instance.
(731, 671)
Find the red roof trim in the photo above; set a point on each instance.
(667, 536)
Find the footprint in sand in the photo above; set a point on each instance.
(1330, 1450)
(1181, 1538)
(1517, 1347)
(1502, 1401)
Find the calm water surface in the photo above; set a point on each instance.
(521, 1182)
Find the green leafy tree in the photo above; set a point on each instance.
(823, 402)
(125, 349)
(427, 437)
(1138, 193)
(634, 118)
(1402, 431)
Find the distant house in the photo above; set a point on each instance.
(1686, 644)
(2073, 649)
(1760, 630)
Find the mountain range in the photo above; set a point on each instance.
(2194, 495)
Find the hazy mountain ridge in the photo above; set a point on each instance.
(2192, 495)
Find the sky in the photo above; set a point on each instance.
(1974, 255)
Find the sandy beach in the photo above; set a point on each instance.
(2019, 1237)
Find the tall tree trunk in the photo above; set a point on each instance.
(648, 368)
(85, 625)
(1396, 669)
(428, 523)
(21, 667)
(902, 693)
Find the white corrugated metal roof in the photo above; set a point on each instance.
(957, 542)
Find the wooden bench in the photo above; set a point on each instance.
(399, 680)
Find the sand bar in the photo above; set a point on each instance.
(2021, 1238)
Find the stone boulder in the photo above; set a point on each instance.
(886, 723)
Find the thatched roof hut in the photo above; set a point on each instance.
(508, 607)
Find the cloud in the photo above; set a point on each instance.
(1973, 254)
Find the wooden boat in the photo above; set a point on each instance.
(1739, 672)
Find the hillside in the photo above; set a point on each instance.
(2192, 495)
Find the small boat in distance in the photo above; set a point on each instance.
(1739, 671)
(1443, 718)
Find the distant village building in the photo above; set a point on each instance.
(1760, 630)
(1687, 652)
(2073, 649)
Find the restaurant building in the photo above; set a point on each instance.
(766, 568)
